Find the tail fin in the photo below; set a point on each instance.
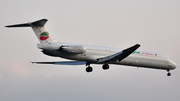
(39, 30)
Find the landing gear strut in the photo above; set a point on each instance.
(89, 68)
(168, 74)
(105, 66)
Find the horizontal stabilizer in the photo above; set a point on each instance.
(63, 63)
(19, 25)
(41, 23)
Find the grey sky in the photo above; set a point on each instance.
(155, 24)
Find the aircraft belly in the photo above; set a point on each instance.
(146, 62)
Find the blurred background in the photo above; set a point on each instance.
(154, 24)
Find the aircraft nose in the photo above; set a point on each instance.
(173, 64)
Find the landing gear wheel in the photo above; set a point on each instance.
(89, 69)
(105, 66)
(168, 74)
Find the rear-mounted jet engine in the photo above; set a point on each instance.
(74, 49)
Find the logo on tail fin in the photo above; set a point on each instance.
(44, 36)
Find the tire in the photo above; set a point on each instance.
(89, 69)
(168, 74)
(105, 66)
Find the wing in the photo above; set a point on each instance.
(120, 55)
(63, 63)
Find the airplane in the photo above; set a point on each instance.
(80, 54)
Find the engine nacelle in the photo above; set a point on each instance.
(74, 49)
(49, 53)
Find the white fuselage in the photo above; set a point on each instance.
(88, 54)
(92, 53)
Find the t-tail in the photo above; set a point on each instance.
(39, 30)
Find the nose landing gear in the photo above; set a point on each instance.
(168, 74)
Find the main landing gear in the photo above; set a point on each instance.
(168, 74)
(90, 69)
(105, 66)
